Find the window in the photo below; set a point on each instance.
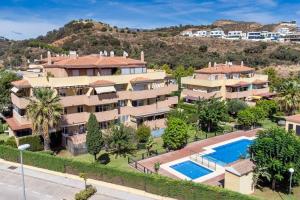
(123, 118)
(79, 109)
(65, 111)
(106, 72)
(137, 103)
(65, 130)
(290, 127)
(298, 130)
(138, 70)
(79, 91)
(102, 108)
(75, 72)
(122, 103)
(90, 72)
(131, 70)
(125, 71)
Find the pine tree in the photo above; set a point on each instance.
(94, 141)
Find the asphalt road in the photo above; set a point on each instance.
(37, 189)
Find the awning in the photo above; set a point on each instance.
(107, 89)
(14, 89)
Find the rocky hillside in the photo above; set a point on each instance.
(161, 46)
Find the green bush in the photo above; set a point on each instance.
(86, 193)
(185, 190)
(143, 133)
(11, 141)
(35, 142)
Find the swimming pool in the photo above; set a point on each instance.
(230, 152)
(191, 169)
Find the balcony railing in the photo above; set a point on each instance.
(198, 94)
(20, 102)
(159, 107)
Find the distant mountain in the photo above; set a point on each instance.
(161, 46)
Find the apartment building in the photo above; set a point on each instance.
(114, 88)
(236, 35)
(217, 33)
(255, 36)
(226, 81)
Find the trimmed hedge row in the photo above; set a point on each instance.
(186, 190)
(35, 141)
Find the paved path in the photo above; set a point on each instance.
(48, 185)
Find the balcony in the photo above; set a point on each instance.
(158, 123)
(147, 94)
(261, 91)
(82, 118)
(153, 109)
(20, 102)
(194, 95)
(238, 95)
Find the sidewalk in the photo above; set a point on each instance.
(103, 188)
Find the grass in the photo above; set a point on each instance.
(267, 123)
(3, 136)
(120, 162)
(267, 194)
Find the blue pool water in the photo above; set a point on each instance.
(191, 169)
(158, 132)
(229, 153)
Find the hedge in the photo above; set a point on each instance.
(35, 142)
(185, 190)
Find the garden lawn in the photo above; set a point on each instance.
(120, 162)
(3, 136)
(267, 194)
(267, 123)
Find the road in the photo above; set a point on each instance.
(48, 185)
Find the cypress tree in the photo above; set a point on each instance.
(94, 139)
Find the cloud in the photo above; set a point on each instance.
(19, 30)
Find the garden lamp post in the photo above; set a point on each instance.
(21, 149)
(291, 170)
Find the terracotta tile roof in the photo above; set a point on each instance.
(77, 139)
(240, 167)
(96, 61)
(140, 80)
(239, 84)
(21, 84)
(102, 83)
(224, 69)
(15, 125)
(259, 82)
(293, 118)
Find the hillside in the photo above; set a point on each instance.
(161, 46)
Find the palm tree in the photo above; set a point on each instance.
(149, 144)
(44, 110)
(259, 174)
(289, 96)
(120, 139)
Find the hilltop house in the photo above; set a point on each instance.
(226, 81)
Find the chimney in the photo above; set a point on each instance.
(142, 56)
(215, 64)
(226, 63)
(242, 63)
(100, 54)
(112, 54)
(105, 53)
(125, 54)
(48, 58)
(209, 64)
(41, 56)
(72, 54)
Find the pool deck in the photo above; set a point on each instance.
(195, 147)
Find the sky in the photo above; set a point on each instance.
(23, 19)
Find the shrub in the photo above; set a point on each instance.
(35, 142)
(86, 193)
(103, 29)
(11, 141)
(175, 135)
(236, 105)
(269, 106)
(104, 158)
(251, 116)
(143, 133)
